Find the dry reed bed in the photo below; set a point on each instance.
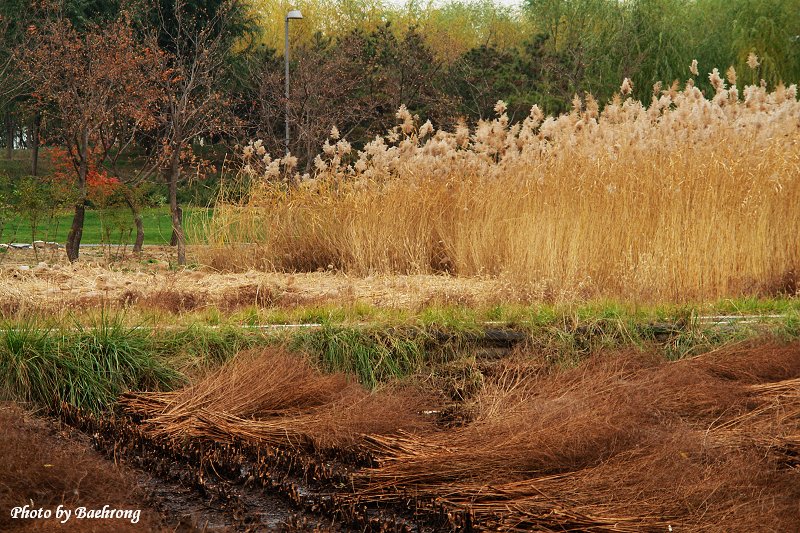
(689, 197)
(61, 287)
(623, 442)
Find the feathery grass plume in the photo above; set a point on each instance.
(536, 116)
(461, 134)
(731, 75)
(693, 68)
(657, 88)
(577, 104)
(674, 200)
(627, 87)
(289, 161)
(592, 111)
(752, 61)
(260, 150)
(426, 129)
(716, 80)
(407, 121)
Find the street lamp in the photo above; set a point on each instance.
(293, 14)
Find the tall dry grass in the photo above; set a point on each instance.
(689, 197)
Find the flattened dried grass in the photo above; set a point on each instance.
(623, 442)
(272, 396)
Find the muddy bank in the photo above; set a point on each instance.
(45, 463)
(255, 487)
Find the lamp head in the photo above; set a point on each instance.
(294, 14)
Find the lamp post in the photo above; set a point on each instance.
(293, 14)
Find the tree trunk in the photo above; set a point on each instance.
(175, 210)
(174, 239)
(34, 132)
(76, 230)
(137, 220)
(9, 135)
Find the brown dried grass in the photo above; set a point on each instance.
(38, 465)
(274, 397)
(625, 441)
(60, 287)
(687, 197)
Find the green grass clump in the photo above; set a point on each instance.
(87, 360)
(196, 347)
(373, 356)
(86, 367)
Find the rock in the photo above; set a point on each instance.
(23, 267)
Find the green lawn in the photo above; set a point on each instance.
(118, 225)
(112, 227)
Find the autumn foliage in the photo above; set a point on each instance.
(98, 83)
(100, 185)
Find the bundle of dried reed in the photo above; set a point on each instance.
(622, 442)
(619, 444)
(273, 397)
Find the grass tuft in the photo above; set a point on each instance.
(84, 366)
(373, 356)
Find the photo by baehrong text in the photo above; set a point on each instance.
(64, 514)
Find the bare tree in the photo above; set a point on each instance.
(325, 91)
(193, 62)
(355, 83)
(95, 81)
(12, 82)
